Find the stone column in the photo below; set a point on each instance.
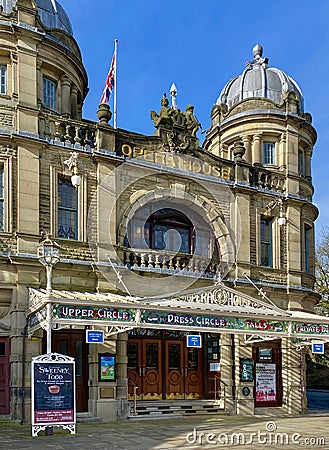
(66, 96)
(247, 145)
(244, 402)
(256, 149)
(32, 348)
(226, 364)
(282, 153)
(74, 102)
(293, 384)
(122, 377)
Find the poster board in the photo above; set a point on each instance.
(246, 366)
(266, 387)
(53, 392)
(106, 367)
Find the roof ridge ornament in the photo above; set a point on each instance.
(258, 58)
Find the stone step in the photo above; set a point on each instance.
(87, 417)
(175, 408)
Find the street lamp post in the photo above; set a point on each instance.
(48, 254)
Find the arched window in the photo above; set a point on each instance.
(167, 229)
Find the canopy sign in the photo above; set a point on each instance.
(72, 312)
(201, 321)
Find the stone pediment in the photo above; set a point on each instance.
(218, 298)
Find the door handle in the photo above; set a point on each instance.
(186, 371)
(144, 370)
(182, 371)
(139, 371)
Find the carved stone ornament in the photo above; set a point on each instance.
(176, 128)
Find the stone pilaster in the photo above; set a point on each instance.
(244, 403)
(122, 377)
(293, 370)
(226, 367)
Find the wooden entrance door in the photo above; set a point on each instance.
(193, 373)
(145, 368)
(73, 343)
(4, 375)
(183, 371)
(174, 366)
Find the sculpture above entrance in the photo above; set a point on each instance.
(176, 128)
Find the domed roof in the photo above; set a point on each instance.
(51, 13)
(259, 80)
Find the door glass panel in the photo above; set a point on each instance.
(132, 356)
(78, 358)
(192, 359)
(63, 345)
(2, 349)
(152, 358)
(174, 357)
(213, 350)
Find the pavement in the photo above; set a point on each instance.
(310, 430)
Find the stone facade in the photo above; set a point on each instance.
(225, 181)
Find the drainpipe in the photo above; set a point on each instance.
(23, 374)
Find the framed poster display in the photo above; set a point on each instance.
(107, 367)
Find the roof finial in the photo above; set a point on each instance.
(258, 58)
(173, 95)
(257, 51)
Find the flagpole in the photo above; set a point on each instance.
(115, 84)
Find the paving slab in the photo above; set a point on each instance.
(230, 432)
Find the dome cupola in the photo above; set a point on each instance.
(51, 13)
(259, 81)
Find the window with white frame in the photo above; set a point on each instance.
(49, 91)
(67, 209)
(269, 153)
(266, 250)
(3, 79)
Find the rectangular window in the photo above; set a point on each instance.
(301, 163)
(2, 199)
(269, 153)
(67, 209)
(266, 242)
(3, 79)
(307, 240)
(49, 93)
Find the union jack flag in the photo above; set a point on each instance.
(109, 83)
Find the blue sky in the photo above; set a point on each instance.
(200, 46)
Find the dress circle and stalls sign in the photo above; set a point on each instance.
(266, 389)
(53, 390)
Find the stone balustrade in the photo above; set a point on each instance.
(79, 134)
(266, 179)
(169, 262)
